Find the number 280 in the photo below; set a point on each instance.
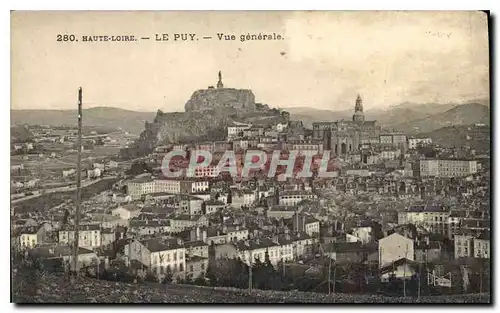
(66, 38)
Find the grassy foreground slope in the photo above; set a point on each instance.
(42, 287)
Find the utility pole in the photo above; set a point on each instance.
(334, 276)
(419, 275)
(480, 280)
(250, 273)
(284, 268)
(329, 272)
(404, 272)
(78, 183)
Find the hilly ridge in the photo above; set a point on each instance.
(464, 114)
(130, 121)
(407, 117)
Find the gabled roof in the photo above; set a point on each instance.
(160, 244)
(259, 243)
(56, 251)
(214, 202)
(28, 230)
(389, 268)
(81, 227)
(129, 207)
(194, 243)
(428, 208)
(280, 208)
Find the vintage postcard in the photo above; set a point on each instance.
(250, 157)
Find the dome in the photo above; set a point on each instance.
(358, 116)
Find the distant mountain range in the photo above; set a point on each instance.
(407, 117)
(108, 117)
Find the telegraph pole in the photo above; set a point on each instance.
(78, 182)
(419, 274)
(250, 273)
(329, 272)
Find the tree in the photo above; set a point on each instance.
(141, 275)
(139, 167)
(211, 274)
(168, 276)
(200, 280)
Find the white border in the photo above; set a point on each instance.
(196, 5)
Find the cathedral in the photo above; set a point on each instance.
(343, 136)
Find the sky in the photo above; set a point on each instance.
(325, 59)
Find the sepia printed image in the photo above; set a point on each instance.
(250, 157)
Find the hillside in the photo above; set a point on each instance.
(39, 287)
(405, 112)
(476, 137)
(408, 117)
(130, 121)
(464, 114)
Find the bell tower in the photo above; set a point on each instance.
(358, 116)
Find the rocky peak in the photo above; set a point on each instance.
(207, 99)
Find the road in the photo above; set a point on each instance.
(65, 188)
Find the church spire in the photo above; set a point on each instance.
(359, 104)
(219, 83)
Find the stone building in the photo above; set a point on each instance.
(343, 136)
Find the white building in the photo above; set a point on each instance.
(202, 171)
(293, 197)
(241, 198)
(30, 236)
(127, 211)
(140, 186)
(413, 142)
(236, 130)
(364, 233)
(89, 236)
(393, 248)
(159, 254)
(389, 154)
(281, 127)
(447, 167)
(434, 218)
(468, 244)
